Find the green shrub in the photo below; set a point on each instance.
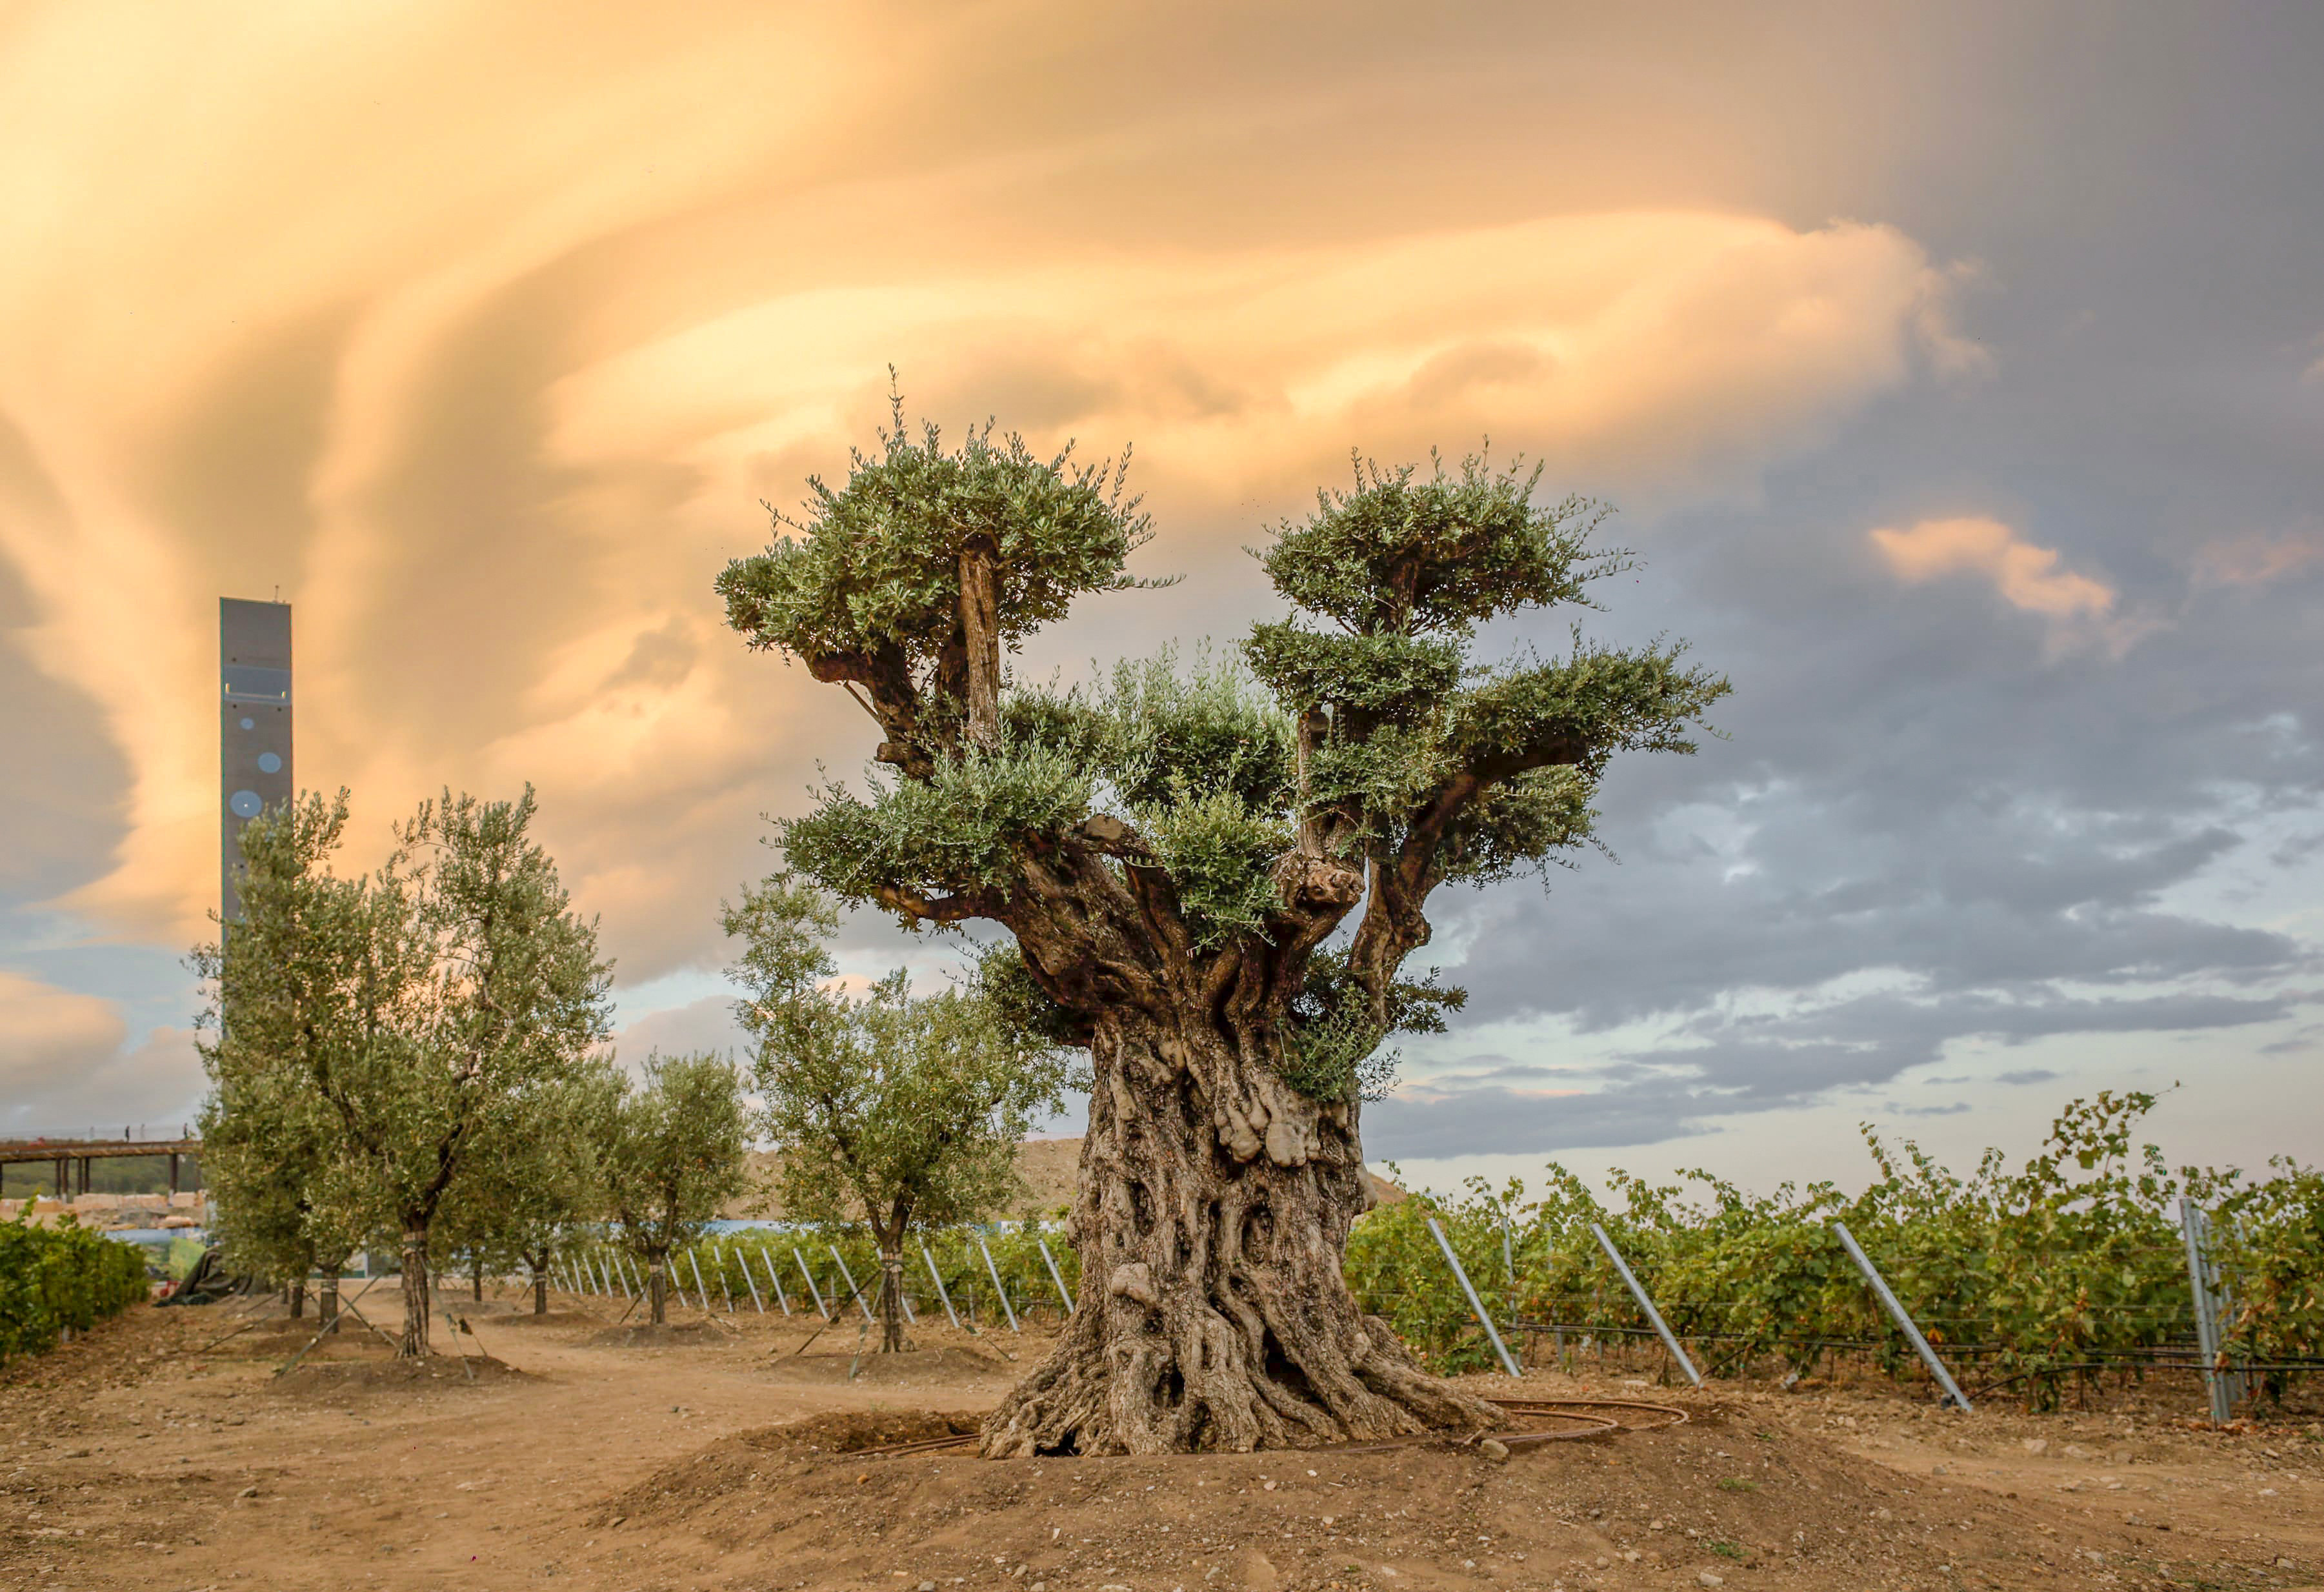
(59, 1277)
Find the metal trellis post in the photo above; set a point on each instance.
(1670, 1341)
(1060, 1281)
(937, 1278)
(699, 1287)
(1475, 1304)
(850, 1276)
(743, 1256)
(820, 1307)
(781, 1298)
(1895, 1309)
(1509, 1267)
(1007, 1309)
(2220, 1385)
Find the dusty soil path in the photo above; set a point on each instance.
(588, 1456)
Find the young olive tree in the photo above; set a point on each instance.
(284, 971)
(1171, 853)
(671, 1152)
(530, 1189)
(902, 1113)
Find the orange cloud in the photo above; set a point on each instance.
(481, 340)
(2256, 559)
(2027, 576)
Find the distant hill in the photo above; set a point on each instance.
(1046, 1165)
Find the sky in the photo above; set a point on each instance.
(1956, 371)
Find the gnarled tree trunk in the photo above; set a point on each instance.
(655, 1286)
(1212, 1222)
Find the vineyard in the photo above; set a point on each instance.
(60, 1280)
(2028, 1284)
(2071, 1269)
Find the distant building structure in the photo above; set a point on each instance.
(253, 727)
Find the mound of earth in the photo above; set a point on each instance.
(481, 1308)
(851, 1431)
(1729, 1494)
(552, 1319)
(379, 1373)
(909, 1366)
(669, 1335)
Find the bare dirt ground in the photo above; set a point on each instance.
(712, 1455)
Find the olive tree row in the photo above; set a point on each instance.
(391, 1053)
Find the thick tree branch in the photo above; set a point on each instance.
(980, 631)
(886, 678)
(939, 908)
(1394, 923)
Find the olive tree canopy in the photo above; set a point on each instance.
(671, 1148)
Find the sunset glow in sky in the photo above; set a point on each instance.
(1958, 372)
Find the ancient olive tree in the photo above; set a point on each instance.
(670, 1150)
(902, 1112)
(1171, 855)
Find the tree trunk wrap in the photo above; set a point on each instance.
(297, 1302)
(891, 1299)
(415, 1291)
(654, 1290)
(328, 1306)
(541, 1286)
(1212, 1219)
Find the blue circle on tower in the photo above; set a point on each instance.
(249, 723)
(244, 804)
(267, 762)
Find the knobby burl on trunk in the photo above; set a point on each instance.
(1178, 855)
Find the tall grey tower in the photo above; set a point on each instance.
(253, 727)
